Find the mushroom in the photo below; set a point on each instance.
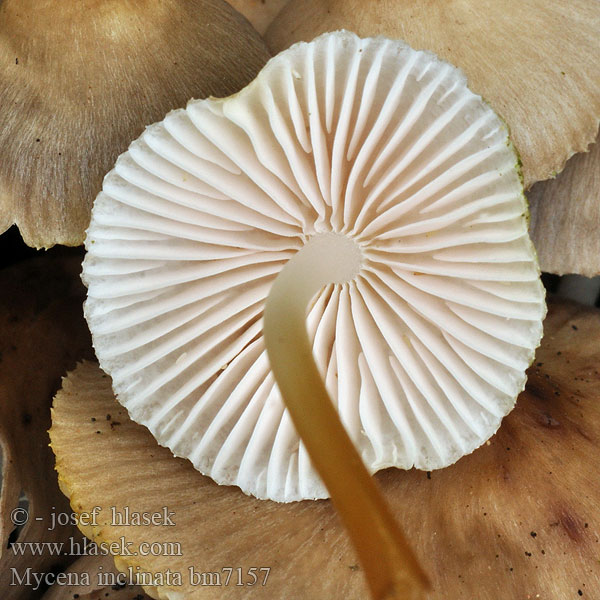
(81, 79)
(535, 62)
(520, 515)
(565, 217)
(368, 166)
(42, 335)
(416, 217)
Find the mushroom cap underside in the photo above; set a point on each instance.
(423, 352)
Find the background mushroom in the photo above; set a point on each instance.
(419, 205)
(520, 515)
(536, 63)
(81, 79)
(565, 217)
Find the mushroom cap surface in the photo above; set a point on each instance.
(521, 515)
(81, 79)
(423, 352)
(535, 62)
(565, 217)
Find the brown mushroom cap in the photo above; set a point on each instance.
(565, 217)
(42, 334)
(82, 79)
(535, 62)
(520, 514)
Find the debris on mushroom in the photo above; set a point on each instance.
(81, 79)
(565, 217)
(535, 62)
(42, 335)
(521, 515)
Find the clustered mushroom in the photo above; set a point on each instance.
(361, 163)
(385, 176)
(322, 276)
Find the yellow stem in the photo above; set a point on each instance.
(391, 569)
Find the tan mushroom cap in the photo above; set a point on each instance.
(520, 514)
(535, 62)
(42, 334)
(259, 12)
(565, 217)
(81, 80)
